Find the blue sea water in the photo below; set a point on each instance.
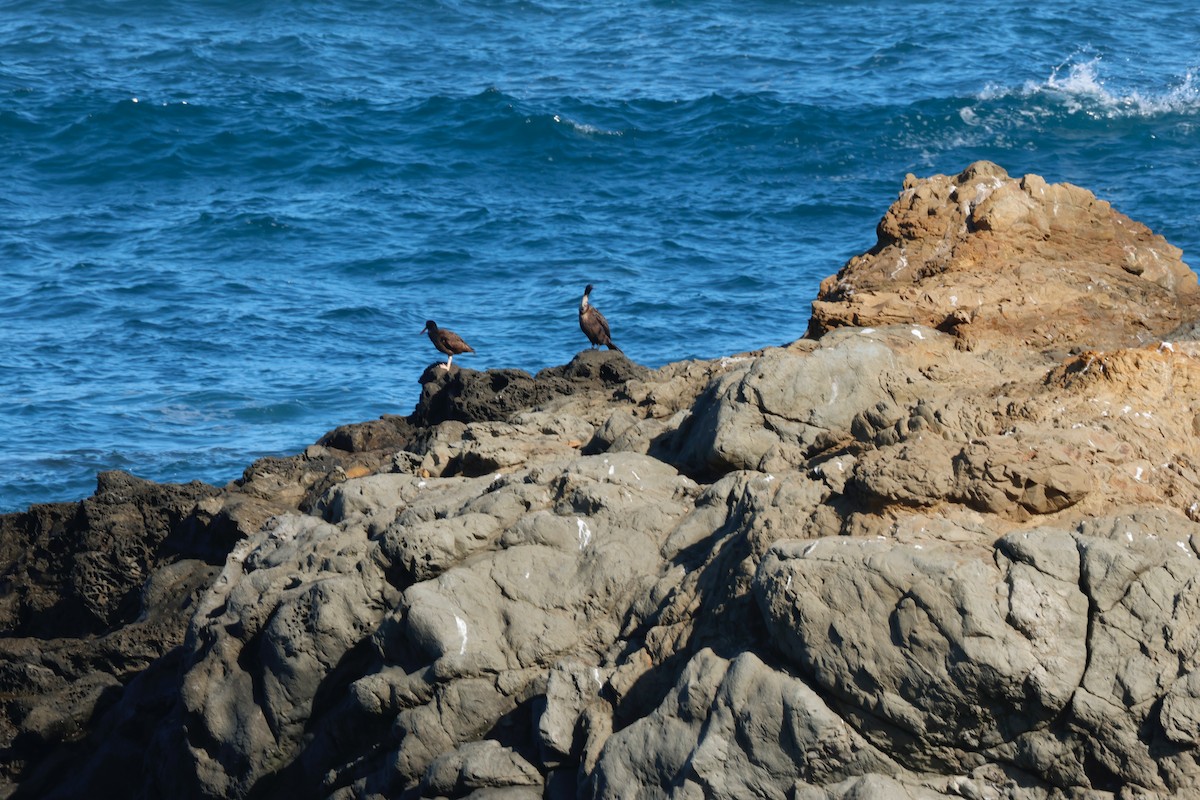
(223, 224)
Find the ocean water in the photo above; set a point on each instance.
(223, 224)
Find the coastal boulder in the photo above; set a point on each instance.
(512, 587)
(778, 410)
(996, 259)
(732, 729)
(466, 395)
(290, 605)
(960, 655)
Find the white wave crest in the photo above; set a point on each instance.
(584, 128)
(1080, 86)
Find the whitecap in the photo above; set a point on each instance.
(1080, 81)
(1081, 87)
(586, 129)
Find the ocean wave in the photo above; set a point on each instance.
(495, 117)
(585, 128)
(357, 314)
(1078, 87)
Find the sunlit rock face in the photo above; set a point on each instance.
(944, 545)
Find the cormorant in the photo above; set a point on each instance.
(593, 323)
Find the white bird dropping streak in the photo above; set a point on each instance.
(462, 631)
(585, 533)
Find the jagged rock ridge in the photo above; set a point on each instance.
(945, 546)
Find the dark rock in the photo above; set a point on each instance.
(390, 432)
(96, 598)
(76, 569)
(465, 395)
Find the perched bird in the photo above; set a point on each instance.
(593, 323)
(446, 341)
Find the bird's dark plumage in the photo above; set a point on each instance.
(446, 341)
(593, 324)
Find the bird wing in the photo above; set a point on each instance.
(602, 325)
(455, 343)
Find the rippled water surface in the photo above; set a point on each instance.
(223, 224)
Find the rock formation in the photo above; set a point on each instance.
(1009, 262)
(946, 545)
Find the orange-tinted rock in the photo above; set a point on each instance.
(995, 259)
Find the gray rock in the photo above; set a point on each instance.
(775, 411)
(734, 729)
(477, 766)
(492, 621)
(571, 688)
(954, 654)
(1180, 714)
(919, 472)
(940, 557)
(1010, 476)
(290, 603)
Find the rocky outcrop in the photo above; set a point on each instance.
(999, 261)
(945, 546)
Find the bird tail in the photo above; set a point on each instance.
(612, 346)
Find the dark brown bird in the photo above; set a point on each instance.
(593, 323)
(446, 341)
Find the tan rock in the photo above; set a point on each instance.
(996, 259)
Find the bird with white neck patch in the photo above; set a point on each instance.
(593, 324)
